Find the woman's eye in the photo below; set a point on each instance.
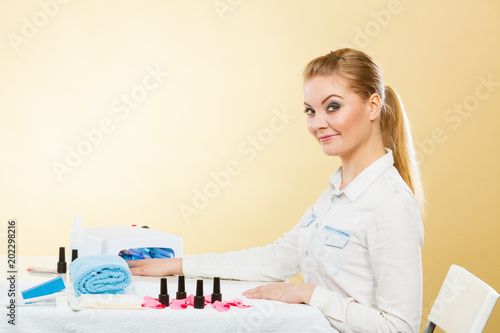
(332, 107)
(309, 111)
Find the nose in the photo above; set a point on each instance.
(317, 122)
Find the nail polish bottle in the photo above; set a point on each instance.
(216, 295)
(163, 297)
(181, 289)
(199, 299)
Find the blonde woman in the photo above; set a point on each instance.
(358, 246)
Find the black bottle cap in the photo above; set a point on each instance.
(199, 299)
(74, 254)
(181, 289)
(61, 264)
(163, 297)
(216, 295)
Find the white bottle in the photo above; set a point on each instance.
(77, 236)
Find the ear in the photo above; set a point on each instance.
(375, 106)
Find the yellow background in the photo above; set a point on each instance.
(232, 64)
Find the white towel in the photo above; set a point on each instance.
(263, 316)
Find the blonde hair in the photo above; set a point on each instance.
(364, 76)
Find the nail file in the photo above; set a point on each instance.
(49, 287)
(23, 302)
(39, 269)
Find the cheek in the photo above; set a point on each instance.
(342, 122)
(350, 120)
(310, 127)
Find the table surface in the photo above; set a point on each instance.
(262, 316)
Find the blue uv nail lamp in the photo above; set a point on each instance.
(132, 242)
(147, 253)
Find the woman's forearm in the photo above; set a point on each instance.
(156, 267)
(176, 266)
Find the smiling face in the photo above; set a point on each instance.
(339, 118)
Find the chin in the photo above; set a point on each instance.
(331, 152)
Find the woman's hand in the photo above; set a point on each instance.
(284, 292)
(156, 267)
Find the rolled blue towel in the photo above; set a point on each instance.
(100, 274)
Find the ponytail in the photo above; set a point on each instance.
(396, 135)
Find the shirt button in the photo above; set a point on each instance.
(316, 225)
(307, 253)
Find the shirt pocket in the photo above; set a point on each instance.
(331, 244)
(309, 218)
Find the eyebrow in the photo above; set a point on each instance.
(326, 98)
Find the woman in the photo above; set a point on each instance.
(358, 246)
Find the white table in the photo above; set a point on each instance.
(263, 316)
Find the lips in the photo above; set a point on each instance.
(325, 138)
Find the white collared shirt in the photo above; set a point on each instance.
(360, 246)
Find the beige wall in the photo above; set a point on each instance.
(67, 70)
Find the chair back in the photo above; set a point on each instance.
(464, 303)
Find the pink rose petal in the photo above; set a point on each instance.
(243, 306)
(221, 306)
(178, 304)
(190, 300)
(153, 303)
(238, 303)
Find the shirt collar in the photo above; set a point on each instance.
(363, 180)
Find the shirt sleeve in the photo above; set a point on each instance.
(394, 241)
(274, 262)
